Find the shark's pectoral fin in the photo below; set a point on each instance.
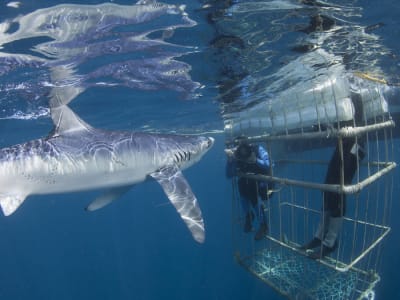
(107, 197)
(182, 197)
(10, 203)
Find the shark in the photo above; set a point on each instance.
(77, 157)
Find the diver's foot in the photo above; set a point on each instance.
(314, 243)
(248, 223)
(322, 251)
(261, 232)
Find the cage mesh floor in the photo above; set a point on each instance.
(299, 277)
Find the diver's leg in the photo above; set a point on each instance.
(329, 243)
(319, 234)
(335, 203)
(323, 226)
(334, 228)
(245, 203)
(249, 215)
(263, 229)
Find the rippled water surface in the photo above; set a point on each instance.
(197, 67)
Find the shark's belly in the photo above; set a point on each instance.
(39, 176)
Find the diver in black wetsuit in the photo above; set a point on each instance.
(251, 159)
(334, 204)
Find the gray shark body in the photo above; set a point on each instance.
(77, 157)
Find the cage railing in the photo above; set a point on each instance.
(337, 188)
(330, 132)
(334, 263)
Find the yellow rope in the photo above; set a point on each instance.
(370, 77)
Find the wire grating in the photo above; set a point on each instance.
(299, 277)
(350, 156)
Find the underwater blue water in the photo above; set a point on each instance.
(138, 247)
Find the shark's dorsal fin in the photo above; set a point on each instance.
(66, 87)
(62, 93)
(66, 121)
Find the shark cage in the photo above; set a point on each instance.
(328, 137)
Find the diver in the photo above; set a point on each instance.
(334, 204)
(251, 159)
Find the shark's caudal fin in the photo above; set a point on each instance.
(182, 197)
(10, 203)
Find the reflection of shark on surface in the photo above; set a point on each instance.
(77, 157)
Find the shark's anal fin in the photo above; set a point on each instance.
(182, 197)
(107, 197)
(10, 203)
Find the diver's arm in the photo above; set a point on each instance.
(263, 157)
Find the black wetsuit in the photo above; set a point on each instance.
(335, 203)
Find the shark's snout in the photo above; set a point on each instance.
(206, 144)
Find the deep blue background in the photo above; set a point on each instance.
(138, 247)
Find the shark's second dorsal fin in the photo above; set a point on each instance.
(66, 121)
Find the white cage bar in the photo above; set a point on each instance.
(294, 210)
